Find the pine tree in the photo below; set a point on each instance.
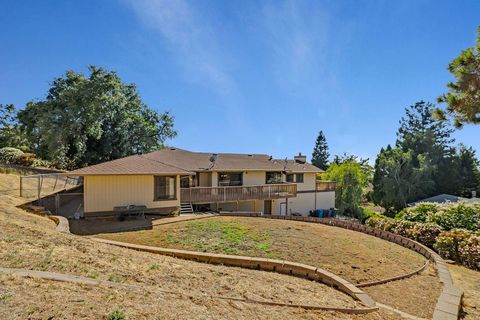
(320, 152)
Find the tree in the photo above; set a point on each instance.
(429, 139)
(320, 152)
(351, 180)
(86, 120)
(397, 181)
(467, 172)
(10, 133)
(463, 98)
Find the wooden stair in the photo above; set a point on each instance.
(186, 208)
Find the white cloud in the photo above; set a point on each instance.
(298, 38)
(194, 43)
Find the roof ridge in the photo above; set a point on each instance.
(164, 163)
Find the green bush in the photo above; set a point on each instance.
(26, 159)
(454, 216)
(117, 315)
(418, 213)
(10, 155)
(460, 245)
(469, 251)
(425, 233)
(41, 163)
(367, 214)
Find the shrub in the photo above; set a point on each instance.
(26, 159)
(10, 155)
(402, 227)
(425, 233)
(117, 315)
(41, 163)
(367, 214)
(418, 213)
(469, 251)
(460, 215)
(460, 245)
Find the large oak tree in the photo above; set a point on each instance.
(87, 119)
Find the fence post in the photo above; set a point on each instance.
(21, 186)
(57, 203)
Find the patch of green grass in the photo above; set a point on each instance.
(222, 236)
(93, 275)
(154, 267)
(5, 296)
(117, 315)
(115, 278)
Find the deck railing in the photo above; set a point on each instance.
(326, 185)
(226, 194)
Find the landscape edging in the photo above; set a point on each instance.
(280, 266)
(449, 303)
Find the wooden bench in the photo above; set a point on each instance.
(130, 211)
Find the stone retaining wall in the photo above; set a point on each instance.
(280, 266)
(449, 302)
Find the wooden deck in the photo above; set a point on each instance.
(241, 193)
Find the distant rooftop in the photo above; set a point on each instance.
(445, 198)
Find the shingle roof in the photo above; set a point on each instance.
(137, 164)
(442, 198)
(173, 160)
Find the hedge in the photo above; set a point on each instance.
(10, 155)
(448, 216)
(462, 246)
(424, 233)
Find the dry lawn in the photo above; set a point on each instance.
(469, 281)
(352, 255)
(30, 242)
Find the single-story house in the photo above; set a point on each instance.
(172, 179)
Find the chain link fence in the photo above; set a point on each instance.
(38, 186)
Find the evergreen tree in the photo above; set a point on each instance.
(320, 152)
(463, 100)
(468, 172)
(426, 137)
(397, 181)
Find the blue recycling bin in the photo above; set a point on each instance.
(318, 213)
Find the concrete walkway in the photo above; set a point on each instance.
(92, 227)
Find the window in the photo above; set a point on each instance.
(185, 182)
(290, 177)
(165, 188)
(226, 179)
(299, 177)
(273, 177)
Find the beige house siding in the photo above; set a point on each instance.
(303, 203)
(103, 193)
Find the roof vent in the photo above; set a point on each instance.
(300, 158)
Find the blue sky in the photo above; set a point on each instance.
(250, 76)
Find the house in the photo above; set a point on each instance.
(448, 198)
(169, 179)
